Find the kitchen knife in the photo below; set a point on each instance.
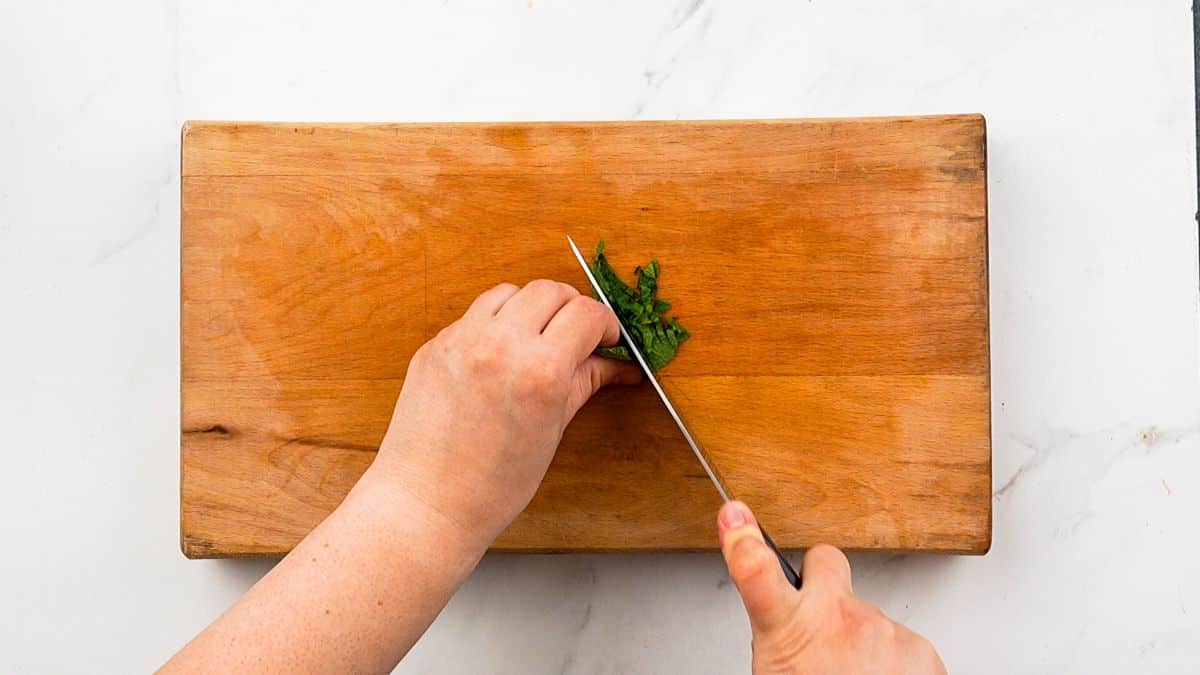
(788, 571)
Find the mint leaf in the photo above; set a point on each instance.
(641, 313)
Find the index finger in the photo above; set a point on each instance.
(580, 326)
(826, 567)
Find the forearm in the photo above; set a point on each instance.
(481, 412)
(354, 595)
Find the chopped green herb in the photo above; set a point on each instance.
(641, 312)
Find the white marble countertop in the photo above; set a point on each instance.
(1093, 240)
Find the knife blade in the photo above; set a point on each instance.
(788, 571)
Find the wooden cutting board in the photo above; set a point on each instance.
(833, 274)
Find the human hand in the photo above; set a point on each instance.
(482, 410)
(822, 628)
(485, 402)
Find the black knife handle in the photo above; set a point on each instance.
(788, 571)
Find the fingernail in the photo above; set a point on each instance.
(735, 515)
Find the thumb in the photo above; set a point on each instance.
(596, 372)
(766, 593)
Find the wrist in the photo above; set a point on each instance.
(410, 500)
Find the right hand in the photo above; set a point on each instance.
(822, 628)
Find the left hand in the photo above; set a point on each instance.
(483, 407)
(485, 402)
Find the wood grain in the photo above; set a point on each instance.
(833, 273)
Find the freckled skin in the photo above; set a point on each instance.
(481, 412)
